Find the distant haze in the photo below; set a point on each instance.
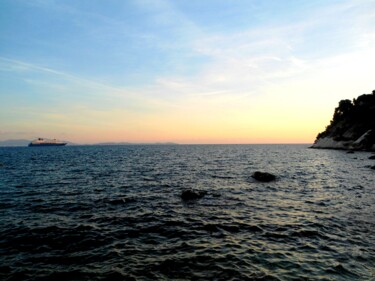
(210, 71)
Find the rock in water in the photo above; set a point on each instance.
(373, 167)
(372, 157)
(264, 177)
(192, 194)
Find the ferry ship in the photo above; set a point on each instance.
(47, 142)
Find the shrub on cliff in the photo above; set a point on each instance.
(351, 119)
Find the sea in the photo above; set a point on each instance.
(116, 213)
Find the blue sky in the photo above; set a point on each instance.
(187, 71)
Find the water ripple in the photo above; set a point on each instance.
(115, 213)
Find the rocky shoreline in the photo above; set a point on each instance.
(352, 126)
(331, 143)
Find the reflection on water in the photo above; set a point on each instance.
(94, 213)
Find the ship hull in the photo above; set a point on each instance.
(47, 144)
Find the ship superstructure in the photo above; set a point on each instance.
(47, 142)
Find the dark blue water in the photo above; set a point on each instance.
(115, 213)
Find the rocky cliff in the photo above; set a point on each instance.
(352, 125)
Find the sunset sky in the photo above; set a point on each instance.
(212, 71)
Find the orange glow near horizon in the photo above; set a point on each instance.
(185, 132)
(182, 77)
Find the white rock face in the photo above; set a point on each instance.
(330, 143)
(363, 137)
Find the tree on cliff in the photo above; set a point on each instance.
(352, 119)
(344, 109)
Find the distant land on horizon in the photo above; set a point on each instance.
(25, 142)
(134, 143)
(19, 142)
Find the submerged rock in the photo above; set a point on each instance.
(373, 167)
(263, 177)
(192, 194)
(372, 157)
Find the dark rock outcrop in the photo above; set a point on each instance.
(372, 157)
(192, 194)
(352, 126)
(263, 177)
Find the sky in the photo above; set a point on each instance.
(213, 71)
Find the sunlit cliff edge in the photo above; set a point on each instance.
(352, 126)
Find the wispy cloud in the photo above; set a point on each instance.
(190, 69)
(76, 96)
(247, 60)
(11, 65)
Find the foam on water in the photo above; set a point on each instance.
(115, 213)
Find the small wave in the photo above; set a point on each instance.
(106, 213)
